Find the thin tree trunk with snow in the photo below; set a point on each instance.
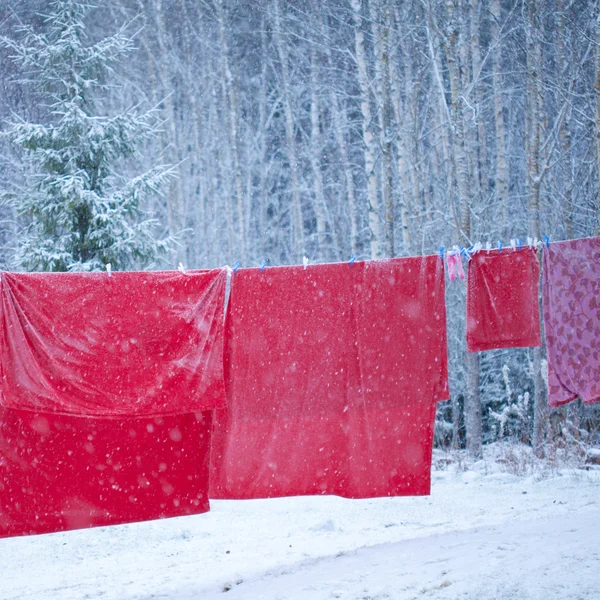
(501, 173)
(314, 153)
(298, 249)
(533, 142)
(367, 132)
(597, 123)
(382, 56)
(232, 127)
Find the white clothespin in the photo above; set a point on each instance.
(181, 268)
(513, 244)
(536, 243)
(108, 267)
(305, 261)
(476, 248)
(488, 247)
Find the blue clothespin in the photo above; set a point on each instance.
(236, 266)
(442, 252)
(519, 244)
(352, 259)
(547, 241)
(262, 267)
(500, 247)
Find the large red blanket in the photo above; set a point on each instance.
(104, 383)
(333, 373)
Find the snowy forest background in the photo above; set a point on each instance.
(263, 131)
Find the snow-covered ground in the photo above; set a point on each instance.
(482, 534)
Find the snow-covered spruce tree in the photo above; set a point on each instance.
(78, 213)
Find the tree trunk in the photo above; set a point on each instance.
(597, 124)
(478, 137)
(298, 249)
(382, 42)
(473, 407)
(175, 200)
(533, 140)
(338, 120)
(501, 174)
(321, 208)
(456, 55)
(232, 127)
(367, 125)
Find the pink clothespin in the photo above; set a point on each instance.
(455, 265)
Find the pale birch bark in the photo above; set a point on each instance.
(382, 59)
(445, 157)
(455, 47)
(232, 127)
(501, 174)
(534, 180)
(261, 242)
(367, 131)
(196, 249)
(478, 135)
(314, 151)
(298, 249)
(407, 146)
(338, 120)
(597, 119)
(175, 202)
(565, 130)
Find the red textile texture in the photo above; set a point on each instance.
(133, 344)
(333, 373)
(61, 472)
(572, 320)
(103, 384)
(502, 300)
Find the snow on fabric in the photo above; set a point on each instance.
(572, 320)
(502, 300)
(333, 373)
(104, 380)
(61, 472)
(133, 344)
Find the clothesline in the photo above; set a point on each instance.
(466, 251)
(320, 380)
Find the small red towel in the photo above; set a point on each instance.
(502, 300)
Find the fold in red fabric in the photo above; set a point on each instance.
(132, 344)
(572, 320)
(502, 300)
(103, 384)
(333, 373)
(61, 472)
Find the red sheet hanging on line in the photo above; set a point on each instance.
(103, 384)
(502, 300)
(133, 344)
(333, 373)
